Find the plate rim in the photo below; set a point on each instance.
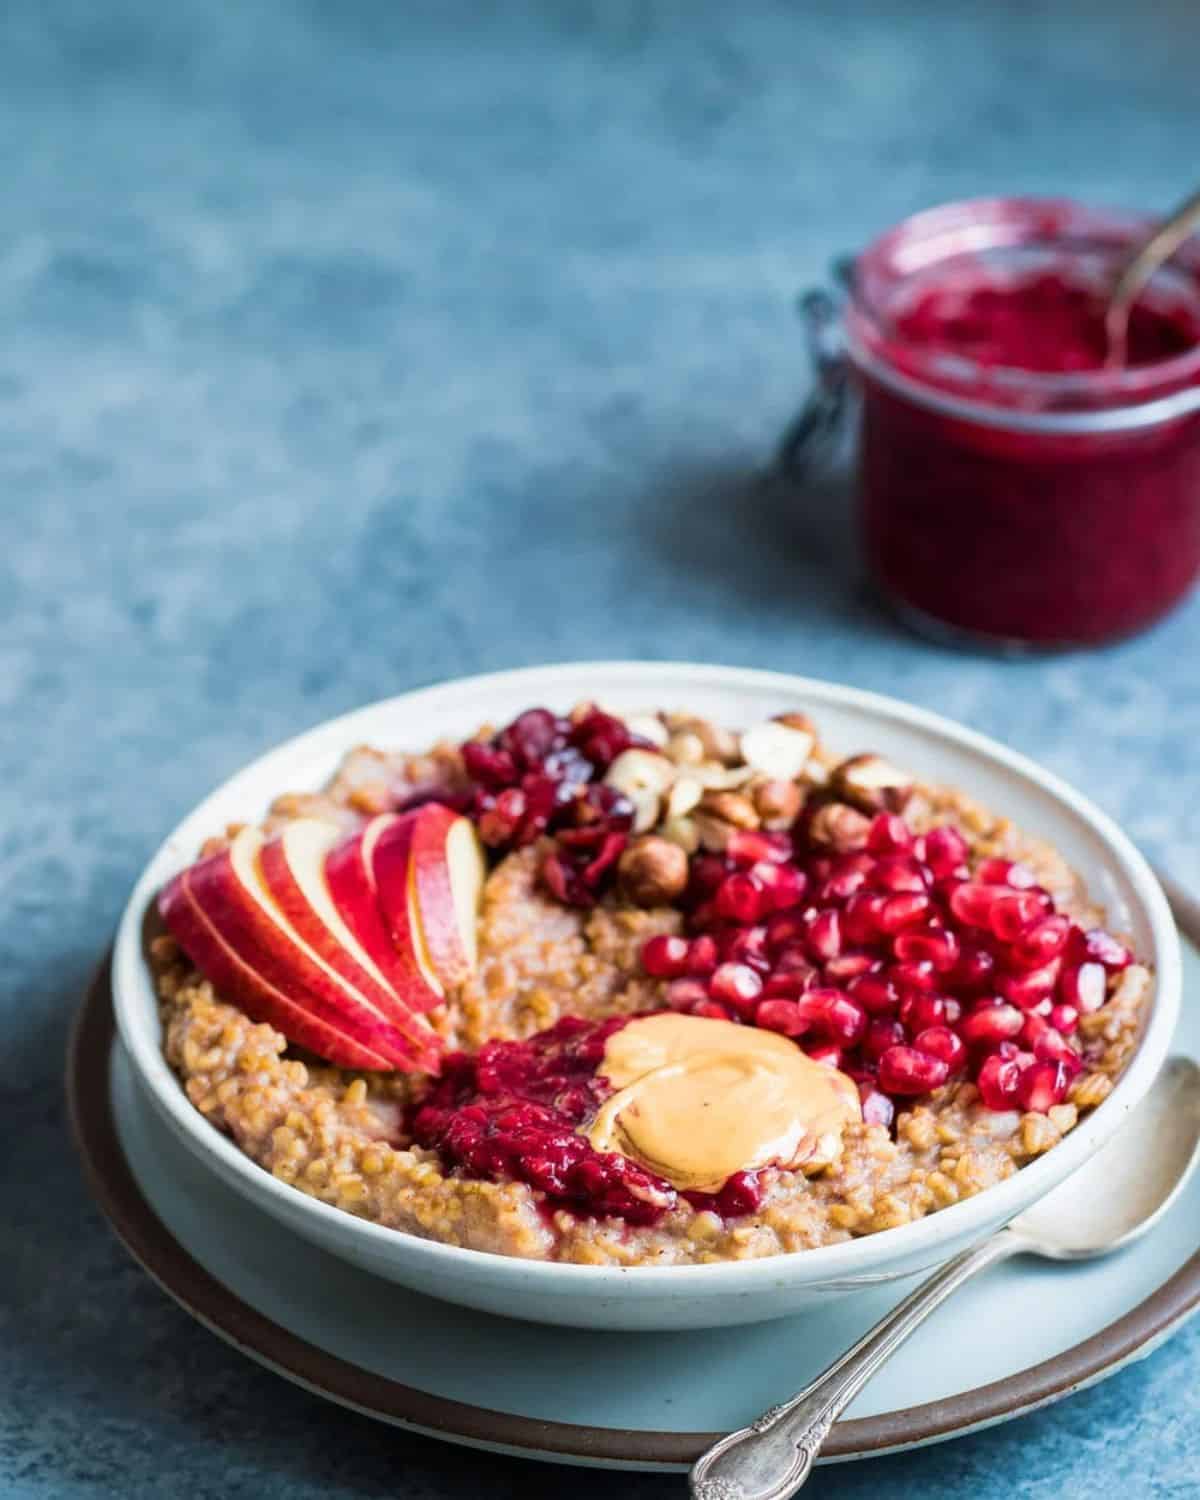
(115, 1190)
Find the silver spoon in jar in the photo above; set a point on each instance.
(1137, 271)
(1109, 1202)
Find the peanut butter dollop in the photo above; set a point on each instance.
(699, 1099)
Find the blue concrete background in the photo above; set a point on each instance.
(351, 345)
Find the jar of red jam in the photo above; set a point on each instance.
(1012, 488)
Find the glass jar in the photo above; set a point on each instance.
(1012, 489)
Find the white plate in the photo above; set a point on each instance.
(646, 1401)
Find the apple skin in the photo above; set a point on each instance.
(294, 867)
(349, 869)
(447, 881)
(227, 889)
(311, 1025)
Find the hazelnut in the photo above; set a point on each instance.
(801, 723)
(653, 871)
(838, 827)
(730, 807)
(685, 749)
(778, 803)
(718, 743)
(872, 783)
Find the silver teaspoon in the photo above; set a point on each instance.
(1109, 1202)
(1137, 271)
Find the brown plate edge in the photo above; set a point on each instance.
(151, 1244)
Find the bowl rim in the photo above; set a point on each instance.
(132, 988)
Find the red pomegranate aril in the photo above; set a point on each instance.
(999, 1080)
(905, 1070)
(918, 1012)
(940, 1041)
(714, 1010)
(686, 994)
(897, 874)
(945, 851)
(1013, 911)
(1040, 943)
(1085, 986)
(782, 1016)
(740, 898)
(1005, 872)
(889, 834)
(842, 1020)
(752, 846)
(938, 948)
(747, 945)
(990, 1023)
(1102, 948)
(790, 986)
(783, 885)
(975, 971)
(703, 954)
(875, 994)
(1032, 1028)
(784, 928)
(665, 957)
(1028, 990)
(707, 873)
(972, 903)
(1052, 1046)
(829, 1054)
(1043, 1085)
(877, 1108)
(847, 966)
(1064, 1018)
(842, 884)
(914, 975)
(902, 911)
(825, 934)
(735, 984)
(863, 915)
(882, 1034)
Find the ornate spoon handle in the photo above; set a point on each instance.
(772, 1458)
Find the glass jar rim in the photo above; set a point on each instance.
(1085, 401)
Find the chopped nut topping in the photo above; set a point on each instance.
(872, 784)
(777, 750)
(730, 807)
(777, 803)
(653, 871)
(838, 827)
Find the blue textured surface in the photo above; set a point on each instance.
(347, 346)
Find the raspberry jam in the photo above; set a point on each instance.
(1011, 487)
(513, 1112)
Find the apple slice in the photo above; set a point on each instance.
(231, 890)
(311, 1025)
(294, 868)
(349, 870)
(395, 881)
(448, 874)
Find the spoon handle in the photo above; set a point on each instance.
(773, 1457)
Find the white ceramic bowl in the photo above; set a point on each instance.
(685, 1296)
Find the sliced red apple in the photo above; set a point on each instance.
(395, 882)
(349, 869)
(312, 1025)
(448, 874)
(231, 890)
(294, 867)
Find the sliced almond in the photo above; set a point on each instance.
(714, 778)
(682, 831)
(647, 806)
(714, 833)
(648, 727)
(640, 770)
(685, 748)
(684, 796)
(777, 750)
(730, 807)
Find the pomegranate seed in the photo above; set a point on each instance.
(781, 1015)
(1064, 1018)
(713, 1010)
(945, 851)
(1042, 942)
(665, 957)
(1028, 990)
(1006, 872)
(793, 960)
(999, 1080)
(842, 884)
(1032, 1028)
(919, 975)
(785, 927)
(791, 985)
(938, 948)
(740, 898)
(882, 1034)
(875, 994)
(1052, 1046)
(747, 945)
(830, 1055)
(602, 738)
(1013, 911)
(972, 903)
(989, 1023)
(686, 994)
(703, 954)
(863, 915)
(975, 970)
(752, 846)
(706, 875)
(735, 984)
(919, 1012)
(825, 934)
(1042, 1086)
(1104, 949)
(877, 1108)
(889, 834)
(847, 966)
(1085, 986)
(841, 1019)
(940, 1041)
(904, 1070)
(897, 874)
(783, 885)
(902, 911)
